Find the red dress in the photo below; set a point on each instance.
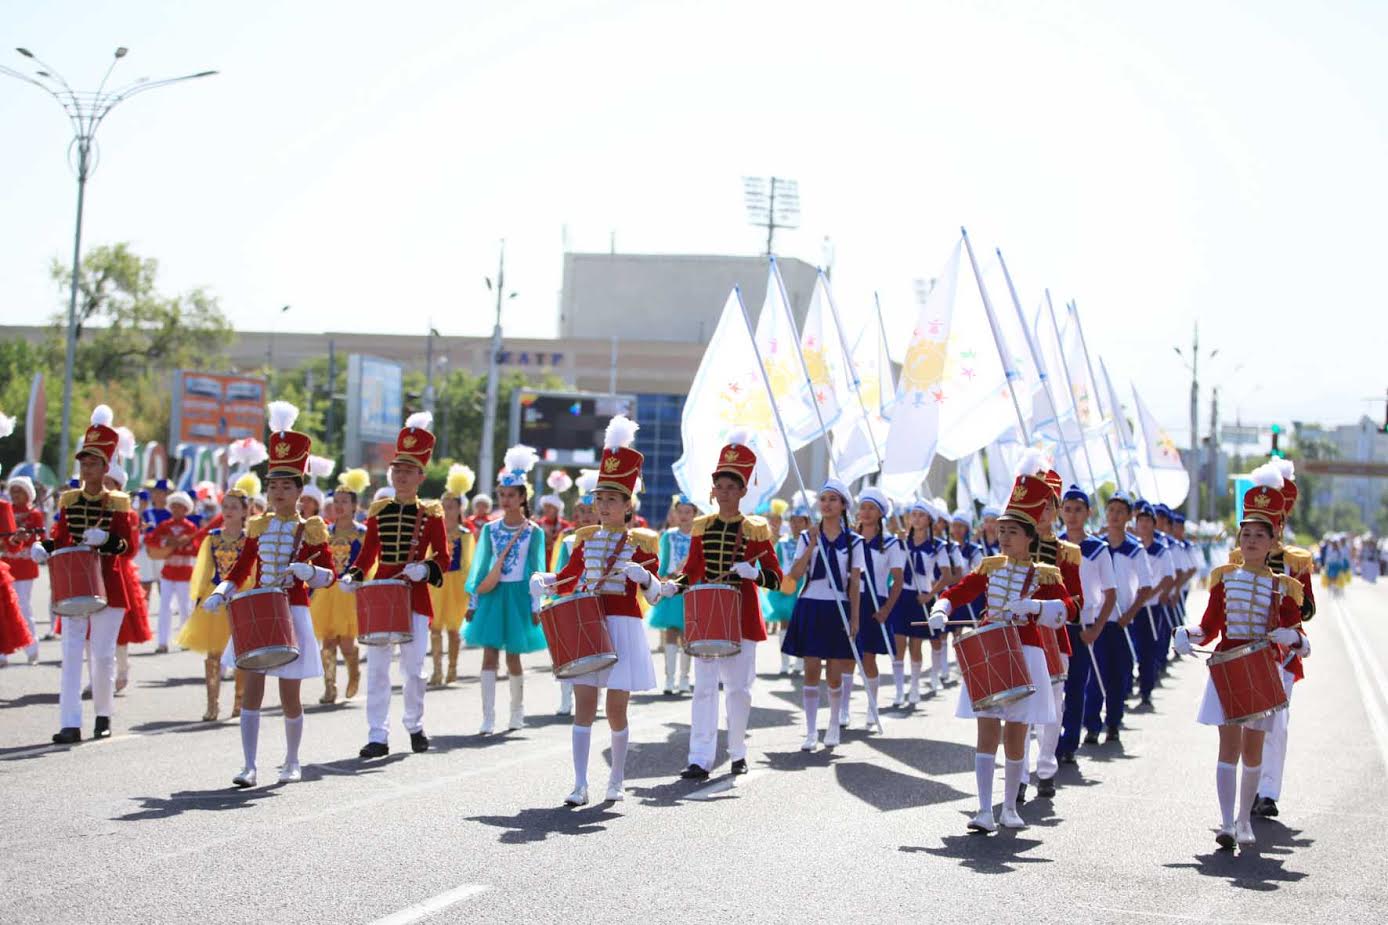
(135, 626)
(14, 632)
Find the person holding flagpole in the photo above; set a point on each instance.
(884, 565)
(925, 561)
(667, 615)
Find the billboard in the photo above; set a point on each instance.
(209, 408)
(565, 428)
(375, 407)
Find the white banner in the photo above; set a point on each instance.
(777, 339)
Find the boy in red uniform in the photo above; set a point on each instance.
(175, 541)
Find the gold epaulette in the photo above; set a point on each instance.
(378, 506)
(315, 531)
(258, 525)
(1235, 556)
(583, 534)
(1218, 572)
(1292, 588)
(756, 529)
(431, 508)
(990, 564)
(69, 497)
(701, 524)
(1297, 560)
(1047, 575)
(1068, 553)
(645, 540)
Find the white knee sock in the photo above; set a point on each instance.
(582, 739)
(566, 696)
(293, 735)
(1226, 776)
(517, 682)
(488, 694)
(984, 767)
(785, 663)
(899, 676)
(939, 663)
(1248, 789)
(250, 735)
(916, 676)
(835, 703)
(810, 698)
(871, 685)
(684, 668)
(1011, 779)
(1026, 757)
(672, 653)
(619, 755)
(845, 698)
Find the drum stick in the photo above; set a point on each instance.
(1132, 649)
(1098, 675)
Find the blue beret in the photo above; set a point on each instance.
(1074, 493)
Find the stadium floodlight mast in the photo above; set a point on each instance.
(86, 109)
(772, 202)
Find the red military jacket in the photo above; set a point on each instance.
(399, 533)
(313, 548)
(79, 511)
(716, 545)
(14, 551)
(588, 564)
(1046, 585)
(1285, 611)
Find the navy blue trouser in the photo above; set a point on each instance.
(1152, 639)
(1116, 667)
(1076, 691)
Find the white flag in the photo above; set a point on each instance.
(1003, 456)
(859, 439)
(1162, 476)
(729, 392)
(821, 344)
(915, 428)
(779, 345)
(972, 483)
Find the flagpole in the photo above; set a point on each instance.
(997, 340)
(1065, 368)
(1133, 485)
(795, 467)
(1113, 412)
(853, 372)
(882, 329)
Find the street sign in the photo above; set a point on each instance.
(1347, 467)
(1240, 434)
(565, 428)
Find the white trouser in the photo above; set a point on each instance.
(105, 626)
(24, 590)
(1275, 746)
(169, 592)
(1048, 735)
(737, 672)
(378, 663)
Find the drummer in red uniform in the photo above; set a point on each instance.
(405, 538)
(613, 561)
(728, 547)
(1248, 603)
(282, 550)
(1032, 596)
(94, 517)
(14, 552)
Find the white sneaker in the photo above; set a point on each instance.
(1011, 819)
(291, 774)
(915, 696)
(517, 720)
(577, 798)
(488, 726)
(1243, 833)
(245, 779)
(684, 686)
(831, 735)
(811, 743)
(983, 822)
(616, 792)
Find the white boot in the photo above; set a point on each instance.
(566, 698)
(914, 695)
(684, 687)
(672, 654)
(517, 682)
(488, 702)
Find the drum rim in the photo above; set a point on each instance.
(983, 627)
(735, 648)
(78, 548)
(384, 581)
(243, 594)
(596, 656)
(1022, 691)
(84, 611)
(373, 639)
(569, 597)
(1254, 717)
(276, 649)
(711, 585)
(1248, 648)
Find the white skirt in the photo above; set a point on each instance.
(309, 664)
(1212, 711)
(634, 670)
(149, 569)
(1038, 708)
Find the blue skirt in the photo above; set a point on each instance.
(777, 607)
(907, 611)
(503, 621)
(817, 631)
(871, 639)
(668, 614)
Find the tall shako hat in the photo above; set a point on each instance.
(737, 458)
(1264, 502)
(415, 442)
(619, 469)
(101, 439)
(289, 449)
(1026, 504)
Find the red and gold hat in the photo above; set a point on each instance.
(415, 442)
(1030, 495)
(620, 467)
(1264, 504)
(1053, 479)
(737, 458)
(101, 438)
(289, 449)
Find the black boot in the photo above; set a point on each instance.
(694, 772)
(102, 729)
(1045, 787)
(419, 742)
(68, 735)
(1021, 794)
(739, 766)
(375, 750)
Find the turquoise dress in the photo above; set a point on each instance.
(777, 607)
(668, 613)
(502, 619)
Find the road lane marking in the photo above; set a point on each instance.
(1172, 916)
(433, 904)
(1359, 654)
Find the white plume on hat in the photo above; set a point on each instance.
(520, 458)
(1267, 475)
(1031, 462)
(621, 431)
(1285, 466)
(587, 481)
(320, 467)
(103, 415)
(282, 416)
(421, 420)
(6, 425)
(247, 452)
(560, 481)
(738, 436)
(125, 443)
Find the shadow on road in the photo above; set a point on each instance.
(30, 700)
(1252, 868)
(886, 790)
(183, 801)
(984, 854)
(536, 825)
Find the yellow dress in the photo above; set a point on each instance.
(451, 601)
(334, 611)
(207, 631)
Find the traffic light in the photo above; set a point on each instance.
(1276, 435)
(1385, 419)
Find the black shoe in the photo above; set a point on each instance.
(419, 742)
(375, 750)
(694, 772)
(68, 735)
(739, 766)
(102, 729)
(1068, 757)
(1146, 701)
(1265, 806)
(1045, 787)
(1021, 794)
(1112, 735)
(1091, 738)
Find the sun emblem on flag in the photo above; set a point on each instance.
(925, 363)
(817, 362)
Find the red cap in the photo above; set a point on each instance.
(1052, 478)
(1028, 501)
(289, 451)
(619, 470)
(1263, 504)
(414, 445)
(736, 459)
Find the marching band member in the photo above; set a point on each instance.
(551, 518)
(334, 609)
(988, 531)
(209, 631)
(583, 517)
(154, 513)
(614, 561)
(832, 555)
(1247, 602)
(134, 626)
(971, 554)
(510, 550)
(405, 539)
(884, 564)
(451, 599)
(95, 517)
(780, 602)
(667, 615)
(1114, 646)
(174, 541)
(1024, 592)
(1150, 634)
(281, 550)
(14, 553)
(15, 633)
(925, 560)
(728, 547)
(482, 513)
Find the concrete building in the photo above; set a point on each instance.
(1358, 442)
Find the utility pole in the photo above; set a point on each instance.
(486, 458)
(1213, 476)
(1193, 455)
(330, 431)
(772, 202)
(429, 368)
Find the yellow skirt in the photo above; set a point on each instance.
(334, 613)
(450, 602)
(206, 631)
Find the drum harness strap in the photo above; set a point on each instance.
(611, 565)
(287, 578)
(418, 533)
(737, 555)
(1026, 586)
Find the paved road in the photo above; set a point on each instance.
(144, 827)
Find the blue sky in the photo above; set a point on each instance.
(1160, 163)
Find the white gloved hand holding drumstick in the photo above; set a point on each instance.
(939, 615)
(746, 570)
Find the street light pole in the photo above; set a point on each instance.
(85, 110)
(1193, 456)
(486, 461)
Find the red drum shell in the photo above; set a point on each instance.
(994, 668)
(74, 578)
(712, 621)
(1248, 682)
(262, 629)
(576, 632)
(1050, 644)
(384, 612)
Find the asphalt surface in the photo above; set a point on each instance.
(144, 827)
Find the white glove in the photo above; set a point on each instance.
(1285, 636)
(1021, 607)
(668, 589)
(747, 570)
(1182, 641)
(540, 583)
(939, 616)
(416, 571)
(1197, 635)
(1304, 648)
(347, 584)
(637, 573)
(95, 536)
(38, 553)
(301, 570)
(653, 591)
(1050, 613)
(214, 602)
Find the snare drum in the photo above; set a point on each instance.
(383, 612)
(1050, 644)
(576, 632)
(994, 668)
(712, 621)
(1247, 682)
(262, 629)
(74, 576)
